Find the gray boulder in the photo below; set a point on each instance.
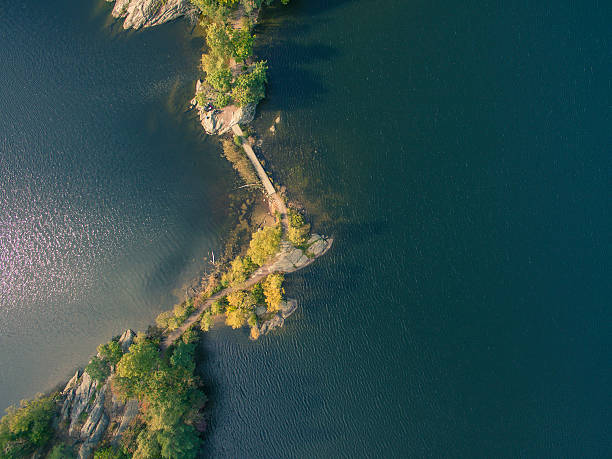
(82, 396)
(126, 339)
(288, 307)
(95, 415)
(86, 450)
(148, 13)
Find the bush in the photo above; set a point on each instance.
(238, 140)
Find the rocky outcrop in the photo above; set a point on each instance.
(147, 13)
(89, 409)
(291, 258)
(317, 245)
(87, 448)
(81, 400)
(129, 413)
(220, 121)
(95, 415)
(286, 308)
(126, 339)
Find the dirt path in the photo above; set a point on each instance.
(257, 276)
(279, 205)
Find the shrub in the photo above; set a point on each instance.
(98, 369)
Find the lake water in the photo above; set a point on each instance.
(460, 155)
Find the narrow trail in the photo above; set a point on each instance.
(279, 206)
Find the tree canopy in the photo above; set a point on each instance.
(28, 427)
(264, 244)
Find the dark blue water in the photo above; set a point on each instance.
(459, 153)
(461, 156)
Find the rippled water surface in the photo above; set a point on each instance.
(458, 153)
(110, 198)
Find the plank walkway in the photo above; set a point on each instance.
(259, 274)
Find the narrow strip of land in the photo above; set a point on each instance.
(261, 273)
(275, 198)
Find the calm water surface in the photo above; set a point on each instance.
(461, 156)
(458, 153)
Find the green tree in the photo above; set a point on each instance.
(148, 446)
(111, 352)
(182, 356)
(273, 291)
(207, 321)
(218, 40)
(218, 73)
(61, 451)
(240, 269)
(24, 429)
(299, 230)
(251, 87)
(264, 244)
(218, 306)
(212, 10)
(258, 293)
(242, 42)
(110, 453)
(222, 100)
(98, 369)
(136, 366)
(181, 442)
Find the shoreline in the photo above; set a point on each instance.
(102, 408)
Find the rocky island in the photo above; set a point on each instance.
(139, 396)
